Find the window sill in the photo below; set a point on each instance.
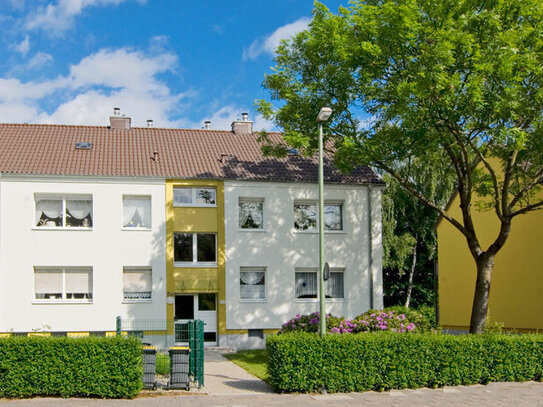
(194, 206)
(252, 230)
(138, 301)
(62, 228)
(253, 301)
(135, 229)
(194, 265)
(50, 302)
(316, 232)
(328, 300)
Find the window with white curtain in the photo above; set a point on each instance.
(63, 284)
(306, 282)
(189, 196)
(252, 283)
(306, 216)
(251, 213)
(137, 284)
(68, 212)
(137, 212)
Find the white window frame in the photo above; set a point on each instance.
(316, 203)
(140, 197)
(315, 271)
(133, 269)
(258, 270)
(193, 204)
(255, 200)
(63, 300)
(63, 199)
(195, 262)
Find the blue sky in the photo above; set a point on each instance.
(178, 62)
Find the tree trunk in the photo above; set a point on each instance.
(479, 311)
(411, 274)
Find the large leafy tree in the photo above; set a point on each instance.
(453, 84)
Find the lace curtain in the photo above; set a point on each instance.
(137, 212)
(252, 285)
(51, 208)
(79, 209)
(306, 285)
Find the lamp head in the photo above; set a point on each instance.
(324, 114)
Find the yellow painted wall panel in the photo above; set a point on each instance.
(516, 298)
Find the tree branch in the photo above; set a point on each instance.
(528, 208)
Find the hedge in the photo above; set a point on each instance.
(381, 361)
(70, 367)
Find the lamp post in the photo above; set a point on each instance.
(324, 115)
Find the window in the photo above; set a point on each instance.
(306, 218)
(186, 196)
(137, 212)
(251, 213)
(63, 212)
(252, 283)
(137, 283)
(195, 248)
(307, 282)
(63, 284)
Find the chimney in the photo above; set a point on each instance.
(243, 126)
(118, 122)
(207, 125)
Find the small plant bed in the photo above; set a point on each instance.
(254, 361)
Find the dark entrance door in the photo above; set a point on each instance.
(184, 307)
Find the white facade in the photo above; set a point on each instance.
(280, 250)
(106, 248)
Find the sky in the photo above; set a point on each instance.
(177, 62)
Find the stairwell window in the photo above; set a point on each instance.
(63, 212)
(137, 212)
(201, 196)
(63, 284)
(195, 249)
(137, 284)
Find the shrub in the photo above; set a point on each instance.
(68, 367)
(309, 323)
(396, 319)
(388, 360)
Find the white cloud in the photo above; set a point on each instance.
(58, 17)
(269, 43)
(24, 46)
(40, 59)
(123, 77)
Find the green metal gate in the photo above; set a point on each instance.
(166, 333)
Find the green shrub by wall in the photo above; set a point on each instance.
(381, 361)
(70, 367)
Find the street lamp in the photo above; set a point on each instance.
(324, 115)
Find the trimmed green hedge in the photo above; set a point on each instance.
(70, 367)
(385, 360)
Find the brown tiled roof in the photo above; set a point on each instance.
(50, 149)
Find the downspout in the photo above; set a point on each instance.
(370, 246)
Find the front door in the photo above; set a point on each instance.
(197, 306)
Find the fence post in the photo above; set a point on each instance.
(192, 342)
(118, 325)
(200, 350)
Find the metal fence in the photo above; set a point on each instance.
(164, 334)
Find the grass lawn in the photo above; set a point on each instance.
(254, 361)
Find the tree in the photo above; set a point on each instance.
(409, 241)
(453, 84)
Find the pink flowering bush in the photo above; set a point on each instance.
(389, 319)
(309, 323)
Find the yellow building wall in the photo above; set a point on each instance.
(189, 280)
(516, 291)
